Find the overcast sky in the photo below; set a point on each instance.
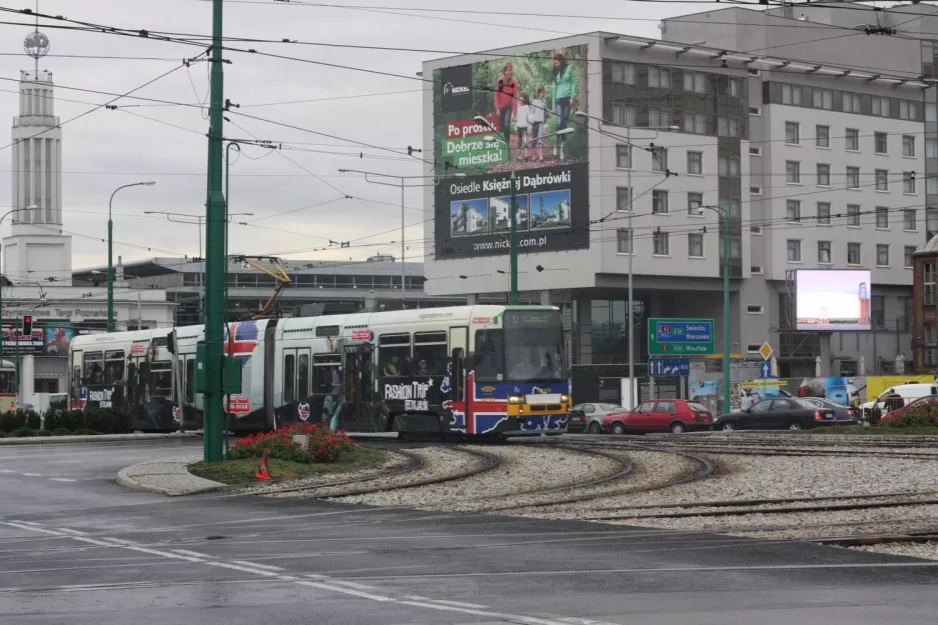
(106, 149)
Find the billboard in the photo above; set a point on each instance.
(828, 300)
(524, 101)
(51, 340)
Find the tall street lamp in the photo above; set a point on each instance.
(633, 386)
(513, 212)
(110, 252)
(402, 184)
(724, 215)
(15, 210)
(188, 218)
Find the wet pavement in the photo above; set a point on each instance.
(77, 548)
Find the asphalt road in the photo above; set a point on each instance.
(76, 548)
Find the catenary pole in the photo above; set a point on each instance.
(214, 252)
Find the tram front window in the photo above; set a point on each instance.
(528, 349)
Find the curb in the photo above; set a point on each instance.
(132, 483)
(103, 438)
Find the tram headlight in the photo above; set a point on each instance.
(516, 399)
(564, 399)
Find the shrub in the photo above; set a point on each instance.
(60, 432)
(23, 432)
(15, 420)
(924, 415)
(324, 446)
(97, 420)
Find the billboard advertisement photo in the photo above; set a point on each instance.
(832, 300)
(503, 115)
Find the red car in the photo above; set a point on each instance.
(660, 415)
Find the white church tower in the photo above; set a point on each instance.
(37, 250)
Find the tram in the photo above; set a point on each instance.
(473, 370)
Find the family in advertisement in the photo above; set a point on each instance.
(509, 115)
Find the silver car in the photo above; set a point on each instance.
(589, 417)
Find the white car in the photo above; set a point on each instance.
(589, 417)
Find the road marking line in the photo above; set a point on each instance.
(7, 471)
(30, 523)
(121, 541)
(347, 591)
(32, 474)
(458, 604)
(66, 462)
(287, 578)
(260, 566)
(65, 530)
(316, 576)
(352, 584)
(515, 618)
(194, 554)
(62, 479)
(244, 569)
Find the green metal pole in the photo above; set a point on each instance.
(214, 253)
(16, 341)
(513, 243)
(724, 215)
(110, 273)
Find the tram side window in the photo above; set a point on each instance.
(76, 383)
(113, 367)
(430, 353)
(394, 355)
(190, 381)
(6, 382)
(161, 378)
(326, 379)
(302, 375)
(489, 358)
(289, 378)
(94, 368)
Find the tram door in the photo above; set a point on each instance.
(357, 414)
(76, 381)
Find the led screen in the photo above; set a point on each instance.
(833, 300)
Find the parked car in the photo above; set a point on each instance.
(894, 398)
(660, 415)
(589, 417)
(779, 413)
(844, 415)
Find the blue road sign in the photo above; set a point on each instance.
(668, 366)
(765, 370)
(673, 337)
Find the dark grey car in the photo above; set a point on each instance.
(844, 415)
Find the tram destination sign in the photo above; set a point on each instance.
(680, 336)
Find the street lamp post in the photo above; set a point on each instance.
(199, 219)
(15, 210)
(110, 249)
(723, 213)
(513, 211)
(402, 184)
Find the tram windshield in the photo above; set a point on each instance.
(529, 348)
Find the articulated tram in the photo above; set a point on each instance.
(474, 370)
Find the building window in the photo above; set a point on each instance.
(755, 190)
(660, 242)
(908, 145)
(624, 240)
(882, 180)
(822, 135)
(880, 106)
(853, 177)
(878, 312)
(754, 309)
(727, 126)
(908, 182)
(853, 139)
(728, 166)
(824, 213)
(823, 99)
(695, 81)
(794, 250)
(851, 102)
(909, 219)
(755, 229)
(695, 123)
(853, 215)
(694, 202)
(732, 87)
(735, 205)
(755, 270)
(623, 115)
(909, 253)
(623, 73)
(695, 163)
(928, 284)
(695, 245)
(882, 217)
(792, 171)
(624, 199)
(755, 151)
(931, 185)
(791, 94)
(853, 254)
(624, 156)
(931, 148)
(659, 159)
(659, 77)
(793, 210)
(659, 202)
(792, 135)
(823, 175)
(882, 255)
(754, 72)
(659, 118)
(880, 143)
(755, 111)
(824, 252)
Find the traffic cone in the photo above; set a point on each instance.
(262, 474)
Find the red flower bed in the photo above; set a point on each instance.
(324, 445)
